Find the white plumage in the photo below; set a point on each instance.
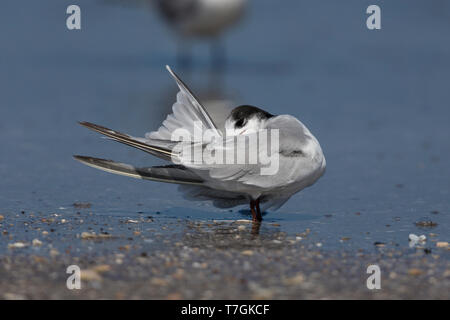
(299, 158)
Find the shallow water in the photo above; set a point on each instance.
(376, 100)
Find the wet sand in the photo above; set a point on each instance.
(155, 257)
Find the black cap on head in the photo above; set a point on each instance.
(246, 112)
(242, 113)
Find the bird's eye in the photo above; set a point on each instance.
(240, 123)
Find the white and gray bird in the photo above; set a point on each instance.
(201, 19)
(300, 158)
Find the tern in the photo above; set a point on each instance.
(299, 157)
(201, 19)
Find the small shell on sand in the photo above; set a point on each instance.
(17, 245)
(442, 244)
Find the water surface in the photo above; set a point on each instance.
(376, 100)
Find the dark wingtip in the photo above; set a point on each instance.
(97, 127)
(89, 159)
(84, 159)
(80, 158)
(87, 124)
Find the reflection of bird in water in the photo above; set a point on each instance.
(206, 19)
(298, 158)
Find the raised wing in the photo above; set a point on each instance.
(188, 113)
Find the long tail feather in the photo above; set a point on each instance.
(169, 174)
(159, 151)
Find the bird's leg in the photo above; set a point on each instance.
(258, 211)
(253, 210)
(255, 224)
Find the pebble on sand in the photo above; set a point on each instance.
(37, 243)
(296, 280)
(243, 221)
(93, 235)
(17, 245)
(101, 268)
(54, 253)
(90, 275)
(415, 272)
(442, 244)
(247, 252)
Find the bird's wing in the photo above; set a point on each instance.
(171, 173)
(276, 155)
(188, 114)
(160, 148)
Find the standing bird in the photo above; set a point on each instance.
(204, 19)
(300, 161)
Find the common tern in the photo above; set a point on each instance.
(299, 157)
(201, 19)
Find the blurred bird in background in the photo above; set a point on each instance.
(201, 20)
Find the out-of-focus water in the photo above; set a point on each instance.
(378, 101)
